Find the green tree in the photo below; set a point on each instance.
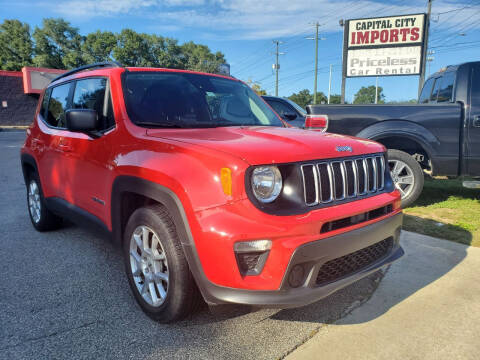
(256, 87)
(366, 95)
(57, 45)
(198, 57)
(335, 99)
(16, 48)
(98, 46)
(132, 49)
(302, 98)
(164, 52)
(321, 98)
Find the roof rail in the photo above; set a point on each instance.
(86, 67)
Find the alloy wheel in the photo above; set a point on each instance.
(149, 267)
(34, 204)
(402, 176)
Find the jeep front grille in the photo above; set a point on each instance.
(338, 180)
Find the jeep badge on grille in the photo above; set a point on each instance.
(344, 148)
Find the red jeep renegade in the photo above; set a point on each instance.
(207, 191)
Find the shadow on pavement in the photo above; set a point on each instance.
(426, 260)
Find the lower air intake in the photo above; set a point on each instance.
(349, 264)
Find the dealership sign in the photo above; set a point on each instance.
(384, 46)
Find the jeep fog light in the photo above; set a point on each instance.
(252, 255)
(266, 183)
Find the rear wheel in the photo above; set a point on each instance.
(407, 176)
(42, 218)
(156, 267)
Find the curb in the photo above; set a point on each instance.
(13, 127)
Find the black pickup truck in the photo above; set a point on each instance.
(439, 135)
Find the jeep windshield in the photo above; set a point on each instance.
(186, 100)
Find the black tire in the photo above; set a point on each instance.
(413, 168)
(182, 295)
(44, 219)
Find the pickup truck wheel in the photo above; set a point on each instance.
(407, 176)
(42, 218)
(156, 267)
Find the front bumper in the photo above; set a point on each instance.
(312, 256)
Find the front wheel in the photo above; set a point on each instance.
(156, 267)
(407, 175)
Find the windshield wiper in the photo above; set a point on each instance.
(160, 125)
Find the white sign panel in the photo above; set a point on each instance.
(403, 60)
(386, 31)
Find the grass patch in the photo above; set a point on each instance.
(446, 210)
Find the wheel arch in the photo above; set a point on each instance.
(162, 195)
(133, 192)
(28, 164)
(404, 136)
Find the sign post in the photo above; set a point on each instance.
(384, 46)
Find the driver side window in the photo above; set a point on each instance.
(281, 109)
(93, 94)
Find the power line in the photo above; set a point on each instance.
(459, 9)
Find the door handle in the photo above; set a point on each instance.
(476, 121)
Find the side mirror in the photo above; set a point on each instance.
(289, 116)
(81, 120)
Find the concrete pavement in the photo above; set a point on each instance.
(426, 307)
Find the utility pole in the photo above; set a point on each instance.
(316, 64)
(376, 90)
(329, 85)
(316, 38)
(425, 48)
(344, 60)
(276, 66)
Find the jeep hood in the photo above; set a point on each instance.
(265, 144)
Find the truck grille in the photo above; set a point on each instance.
(337, 180)
(349, 264)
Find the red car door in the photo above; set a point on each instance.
(89, 170)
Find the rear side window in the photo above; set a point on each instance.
(445, 92)
(280, 108)
(46, 97)
(426, 91)
(93, 94)
(57, 106)
(436, 87)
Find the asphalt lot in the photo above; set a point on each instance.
(64, 294)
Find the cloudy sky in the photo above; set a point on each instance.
(244, 30)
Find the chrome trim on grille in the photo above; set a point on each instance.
(354, 170)
(382, 171)
(342, 174)
(315, 179)
(365, 167)
(330, 183)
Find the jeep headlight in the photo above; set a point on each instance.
(266, 183)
